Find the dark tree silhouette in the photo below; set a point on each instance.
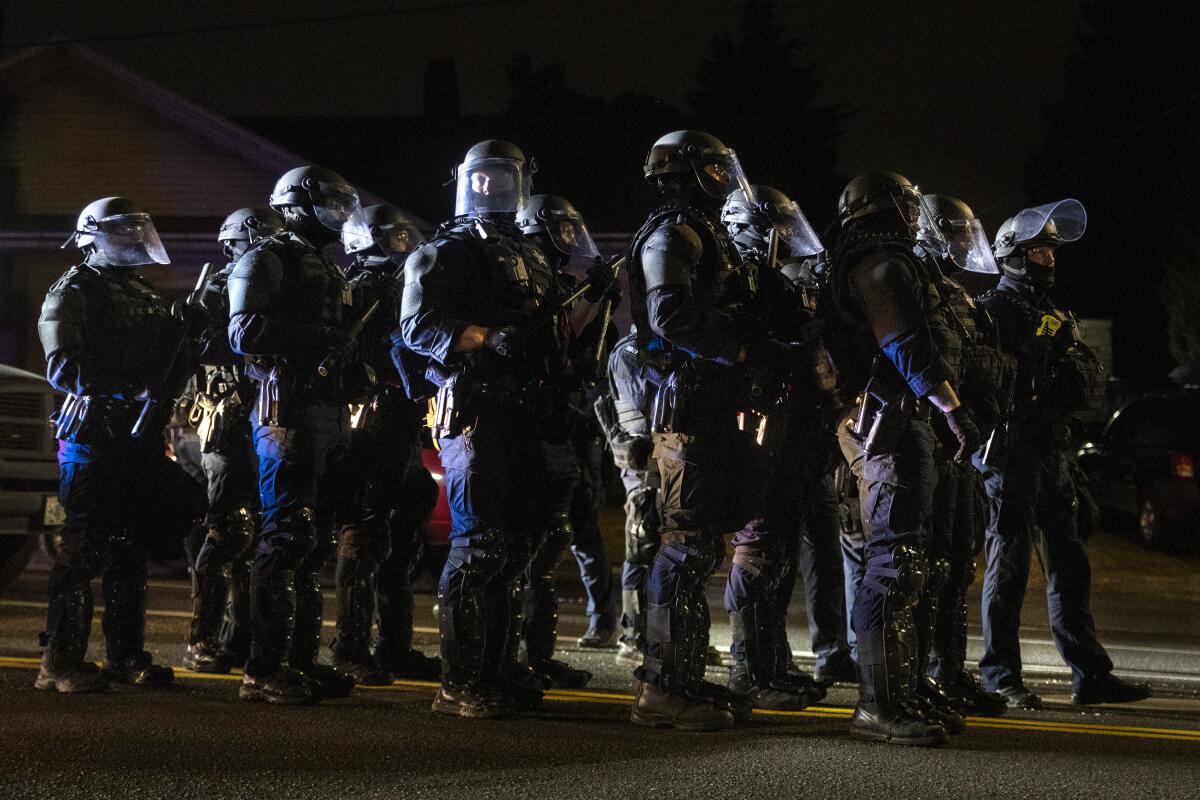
(1123, 139)
(764, 73)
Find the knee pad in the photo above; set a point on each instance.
(483, 559)
(693, 556)
(233, 531)
(898, 576)
(293, 537)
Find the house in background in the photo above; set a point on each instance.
(75, 126)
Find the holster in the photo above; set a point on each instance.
(84, 419)
(671, 400)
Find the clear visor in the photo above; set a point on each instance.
(128, 240)
(1061, 222)
(721, 175)
(337, 207)
(968, 247)
(491, 186)
(571, 236)
(795, 232)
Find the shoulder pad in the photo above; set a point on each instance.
(676, 237)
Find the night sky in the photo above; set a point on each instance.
(949, 93)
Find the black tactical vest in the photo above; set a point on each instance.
(128, 329)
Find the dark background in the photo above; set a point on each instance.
(1003, 104)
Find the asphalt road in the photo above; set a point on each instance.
(196, 740)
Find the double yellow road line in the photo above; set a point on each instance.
(827, 712)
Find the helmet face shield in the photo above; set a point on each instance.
(570, 234)
(337, 207)
(719, 175)
(794, 230)
(969, 249)
(126, 240)
(491, 186)
(1052, 223)
(963, 241)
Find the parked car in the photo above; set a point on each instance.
(29, 506)
(1144, 463)
(437, 533)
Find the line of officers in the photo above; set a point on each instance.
(762, 370)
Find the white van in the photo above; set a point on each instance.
(29, 506)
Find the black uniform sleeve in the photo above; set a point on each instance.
(432, 277)
(668, 258)
(255, 328)
(884, 284)
(62, 329)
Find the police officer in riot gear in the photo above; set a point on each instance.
(387, 493)
(772, 232)
(561, 233)
(951, 239)
(287, 304)
(109, 340)
(219, 636)
(1028, 481)
(477, 303)
(694, 303)
(882, 301)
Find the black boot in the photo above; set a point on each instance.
(68, 628)
(356, 606)
(284, 686)
(73, 678)
(463, 625)
(138, 669)
(887, 710)
(969, 696)
(754, 676)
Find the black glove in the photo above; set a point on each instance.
(600, 278)
(507, 341)
(194, 317)
(614, 294)
(964, 430)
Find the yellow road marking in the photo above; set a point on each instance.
(158, 612)
(827, 712)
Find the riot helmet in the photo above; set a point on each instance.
(771, 210)
(1025, 243)
(116, 232)
(555, 222)
(1046, 225)
(702, 156)
(246, 226)
(494, 178)
(392, 234)
(317, 195)
(882, 196)
(950, 228)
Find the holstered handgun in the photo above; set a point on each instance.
(268, 399)
(671, 399)
(72, 419)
